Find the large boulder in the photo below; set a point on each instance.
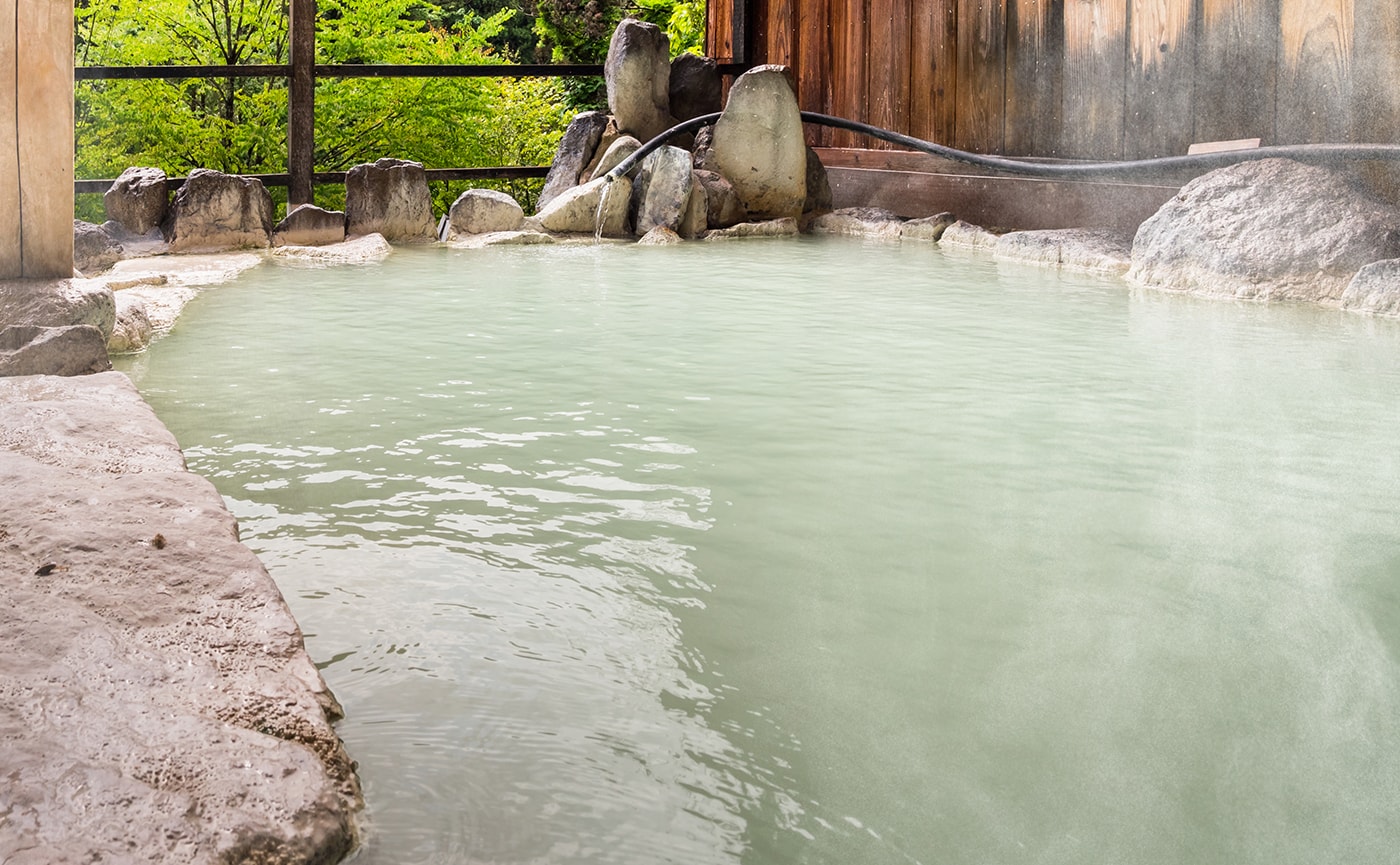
(621, 147)
(638, 73)
(695, 88)
(157, 703)
(482, 211)
(389, 197)
(573, 155)
(661, 190)
(1375, 288)
(582, 209)
(1273, 229)
(138, 199)
(57, 303)
(758, 144)
(27, 349)
(309, 225)
(214, 211)
(94, 250)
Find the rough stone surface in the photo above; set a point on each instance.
(482, 211)
(621, 147)
(872, 222)
(133, 330)
(309, 225)
(694, 221)
(215, 211)
(722, 205)
(156, 700)
(967, 235)
(758, 144)
(703, 149)
(785, 227)
(660, 236)
(358, 250)
(27, 349)
(503, 238)
(695, 87)
(153, 242)
(661, 190)
(928, 228)
(94, 250)
(575, 152)
(578, 210)
(389, 197)
(818, 198)
(1375, 288)
(57, 303)
(166, 283)
(637, 72)
(138, 200)
(1272, 229)
(1074, 248)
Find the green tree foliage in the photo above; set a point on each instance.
(239, 125)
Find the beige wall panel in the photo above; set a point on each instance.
(9, 147)
(45, 109)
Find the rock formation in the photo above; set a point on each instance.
(638, 72)
(694, 87)
(389, 197)
(215, 211)
(309, 225)
(573, 155)
(1375, 288)
(661, 190)
(583, 208)
(482, 211)
(28, 350)
(94, 250)
(758, 144)
(138, 200)
(1268, 230)
(133, 329)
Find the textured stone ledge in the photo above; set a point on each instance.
(156, 700)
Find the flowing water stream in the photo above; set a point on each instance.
(819, 552)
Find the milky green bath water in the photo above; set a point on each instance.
(816, 552)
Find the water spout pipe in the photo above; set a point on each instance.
(1315, 154)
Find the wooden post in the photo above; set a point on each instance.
(301, 109)
(36, 139)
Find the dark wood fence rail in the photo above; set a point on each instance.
(301, 72)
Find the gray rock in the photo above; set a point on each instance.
(1375, 288)
(695, 87)
(575, 152)
(872, 222)
(638, 72)
(818, 198)
(703, 149)
(660, 236)
(365, 249)
(578, 210)
(57, 303)
(214, 211)
(503, 238)
(661, 189)
(94, 250)
(153, 242)
(785, 227)
(758, 144)
(133, 330)
(722, 205)
(969, 236)
(1097, 251)
(1269, 230)
(27, 349)
(156, 701)
(694, 221)
(621, 147)
(309, 225)
(482, 211)
(138, 200)
(928, 228)
(389, 197)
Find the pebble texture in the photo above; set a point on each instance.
(156, 701)
(1273, 229)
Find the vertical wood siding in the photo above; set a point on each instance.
(1099, 79)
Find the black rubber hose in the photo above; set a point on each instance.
(1316, 154)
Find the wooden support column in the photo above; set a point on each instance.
(36, 139)
(301, 110)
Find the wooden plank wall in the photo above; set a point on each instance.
(1100, 79)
